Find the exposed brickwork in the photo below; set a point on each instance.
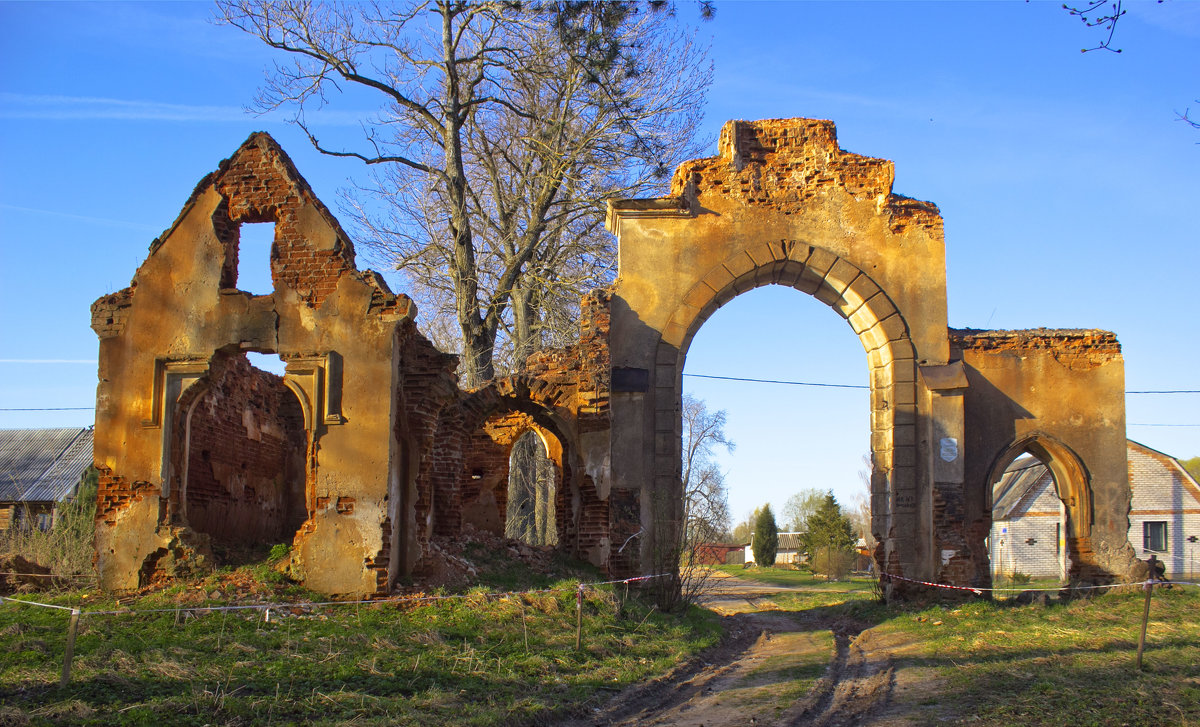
(260, 184)
(785, 164)
(246, 470)
(109, 313)
(1080, 349)
(115, 493)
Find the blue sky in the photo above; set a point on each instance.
(1068, 190)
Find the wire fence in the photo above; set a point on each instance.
(278, 610)
(284, 609)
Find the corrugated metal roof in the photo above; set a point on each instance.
(42, 465)
(787, 541)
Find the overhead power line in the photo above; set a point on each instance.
(857, 386)
(55, 408)
(774, 381)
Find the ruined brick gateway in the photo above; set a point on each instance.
(366, 447)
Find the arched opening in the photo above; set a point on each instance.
(240, 462)
(499, 496)
(793, 442)
(1029, 525)
(896, 504)
(1041, 509)
(531, 503)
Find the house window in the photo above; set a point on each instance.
(44, 521)
(1154, 536)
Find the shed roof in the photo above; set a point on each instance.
(42, 465)
(1018, 483)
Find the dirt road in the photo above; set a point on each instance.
(774, 668)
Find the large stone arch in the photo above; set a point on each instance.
(873, 317)
(782, 204)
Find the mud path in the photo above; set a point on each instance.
(773, 668)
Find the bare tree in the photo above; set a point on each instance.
(705, 499)
(800, 506)
(531, 493)
(502, 128)
(860, 511)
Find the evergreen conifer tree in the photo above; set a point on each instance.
(766, 537)
(829, 540)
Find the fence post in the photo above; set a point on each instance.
(72, 629)
(1153, 563)
(579, 618)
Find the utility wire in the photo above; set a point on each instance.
(854, 386)
(56, 408)
(773, 381)
(754, 381)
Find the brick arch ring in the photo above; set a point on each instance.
(525, 395)
(871, 314)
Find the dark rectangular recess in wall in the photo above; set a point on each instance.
(630, 380)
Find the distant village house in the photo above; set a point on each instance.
(40, 470)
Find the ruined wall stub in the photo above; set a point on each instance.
(1059, 395)
(783, 204)
(339, 331)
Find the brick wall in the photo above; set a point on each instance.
(1163, 492)
(1039, 516)
(260, 185)
(246, 468)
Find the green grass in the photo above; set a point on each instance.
(471, 661)
(1071, 663)
(998, 663)
(796, 578)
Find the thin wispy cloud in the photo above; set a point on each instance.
(81, 218)
(88, 108)
(47, 360)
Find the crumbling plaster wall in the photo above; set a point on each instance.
(395, 454)
(781, 204)
(337, 329)
(1059, 394)
(387, 438)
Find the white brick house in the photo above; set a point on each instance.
(1165, 518)
(1028, 523)
(1028, 519)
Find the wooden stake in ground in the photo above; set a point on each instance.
(579, 618)
(72, 629)
(1153, 563)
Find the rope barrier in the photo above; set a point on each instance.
(48, 575)
(318, 604)
(980, 590)
(35, 603)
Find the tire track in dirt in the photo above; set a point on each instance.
(734, 683)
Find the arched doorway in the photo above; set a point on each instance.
(884, 335)
(790, 441)
(496, 498)
(240, 460)
(1041, 509)
(534, 479)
